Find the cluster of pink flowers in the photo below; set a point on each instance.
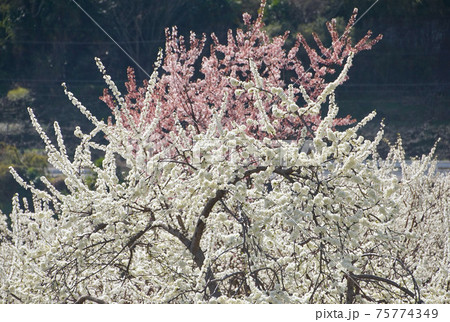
(188, 95)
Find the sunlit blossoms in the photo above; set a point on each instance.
(195, 80)
(230, 207)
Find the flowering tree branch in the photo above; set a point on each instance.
(219, 201)
(85, 298)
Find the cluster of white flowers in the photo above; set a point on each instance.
(223, 217)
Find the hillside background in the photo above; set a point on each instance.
(46, 42)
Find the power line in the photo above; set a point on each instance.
(58, 81)
(145, 72)
(365, 12)
(357, 20)
(96, 80)
(411, 52)
(44, 42)
(104, 31)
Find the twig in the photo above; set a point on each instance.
(85, 298)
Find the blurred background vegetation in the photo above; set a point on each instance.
(46, 42)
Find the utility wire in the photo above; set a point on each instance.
(357, 20)
(104, 31)
(49, 42)
(145, 72)
(373, 4)
(90, 81)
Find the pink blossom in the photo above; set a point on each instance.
(193, 94)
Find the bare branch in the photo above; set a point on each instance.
(85, 298)
(370, 277)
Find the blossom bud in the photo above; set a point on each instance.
(296, 187)
(234, 82)
(238, 92)
(78, 132)
(293, 107)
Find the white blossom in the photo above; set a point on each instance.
(224, 217)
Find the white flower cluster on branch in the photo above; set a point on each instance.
(224, 216)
